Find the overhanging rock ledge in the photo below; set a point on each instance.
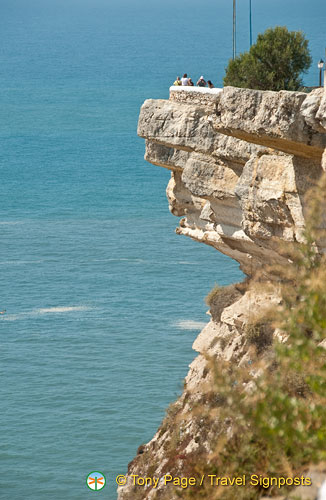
(241, 163)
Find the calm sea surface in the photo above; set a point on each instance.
(103, 299)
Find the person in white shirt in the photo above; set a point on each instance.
(185, 80)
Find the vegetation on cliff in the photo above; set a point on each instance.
(274, 62)
(266, 417)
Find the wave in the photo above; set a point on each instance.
(61, 309)
(43, 311)
(10, 223)
(189, 324)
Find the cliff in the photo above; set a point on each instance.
(241, 163)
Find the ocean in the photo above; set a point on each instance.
(103, 300)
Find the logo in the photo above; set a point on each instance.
(95, 481)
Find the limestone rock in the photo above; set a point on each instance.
(241, 164)
(269, 118)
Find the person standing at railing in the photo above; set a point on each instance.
(185, 80)
(201, 82)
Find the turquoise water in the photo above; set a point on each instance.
(103, 299)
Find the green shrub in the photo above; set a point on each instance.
(274, 62)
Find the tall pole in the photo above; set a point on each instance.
(250, 23)
(234, 30)
(325, 72)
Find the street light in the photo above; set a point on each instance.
(320, 66)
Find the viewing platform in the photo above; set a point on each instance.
(194, 95)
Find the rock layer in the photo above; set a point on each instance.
(241, 164)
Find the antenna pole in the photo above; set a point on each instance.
(234, 30)
(250, 23)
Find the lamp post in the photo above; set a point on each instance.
(320, 66)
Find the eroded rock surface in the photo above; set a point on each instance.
(241, 164)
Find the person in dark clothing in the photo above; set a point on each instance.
(201, 82)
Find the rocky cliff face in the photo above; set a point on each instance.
(241, 163)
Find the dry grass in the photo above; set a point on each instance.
(213, 294)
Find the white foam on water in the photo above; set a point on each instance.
(10, 223)
(189, 324)
(60, 309)
(42, 311)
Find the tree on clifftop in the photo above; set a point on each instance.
(274, 62)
